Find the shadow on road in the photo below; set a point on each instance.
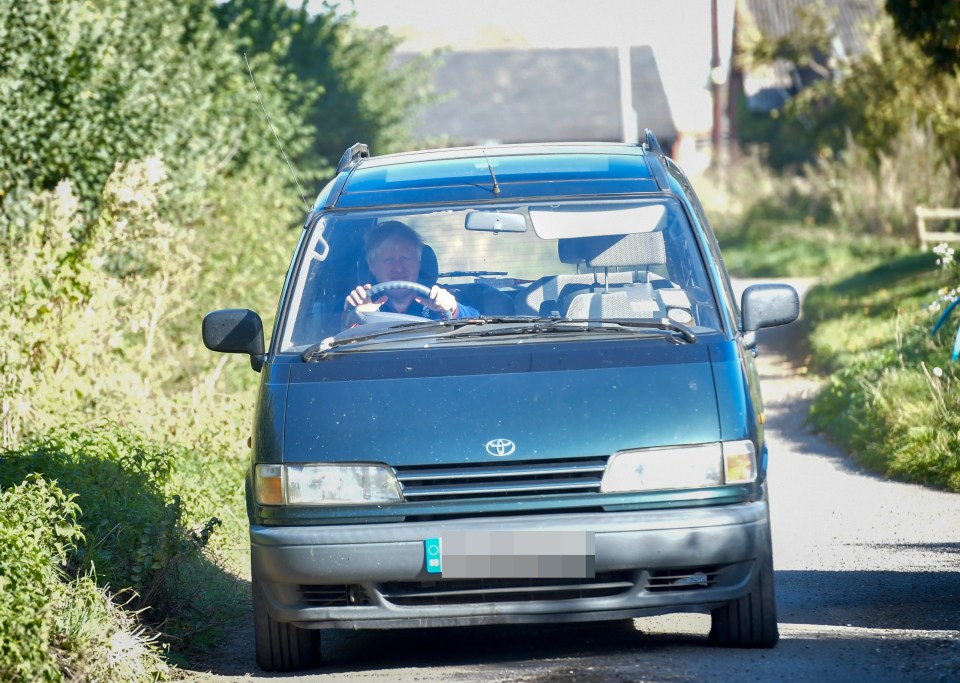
(495, 645)
(854, 607)
(474, 647)
(910, 600)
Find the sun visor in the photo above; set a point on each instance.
(560, 221)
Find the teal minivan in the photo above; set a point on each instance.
(506, 385)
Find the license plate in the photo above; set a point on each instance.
(511, 555)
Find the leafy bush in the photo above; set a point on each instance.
(136, 538)
(132, 531)
(84, 86)
(37, 529)
(873, 98)
(83, 295)
(344, 77)
(52, 627)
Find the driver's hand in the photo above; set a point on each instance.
(360, 300)
(440, 300)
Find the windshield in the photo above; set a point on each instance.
(590, 261)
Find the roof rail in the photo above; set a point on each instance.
(356, 151)
(652, 143)
(657, 160)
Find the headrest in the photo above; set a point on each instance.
(429, 268)
(603, 251)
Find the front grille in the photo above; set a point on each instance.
(480, 591)
(673, 580)
(474, 591)
(333, 596)
(506, 480)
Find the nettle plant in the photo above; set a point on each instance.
(86, 298)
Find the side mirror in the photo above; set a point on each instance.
(235, 330)
(768, 305)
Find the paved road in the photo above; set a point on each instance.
(867, 574)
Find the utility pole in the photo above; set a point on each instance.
(628, 115)
(716, 80)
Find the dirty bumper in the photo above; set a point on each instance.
(624, 564)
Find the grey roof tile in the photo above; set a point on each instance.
(542, 95)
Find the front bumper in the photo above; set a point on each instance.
(375, 576)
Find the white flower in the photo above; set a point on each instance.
(946, 254)
(938, 372)
(66, 202)
(155, 170)
(125, 194)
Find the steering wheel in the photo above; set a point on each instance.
(380, 288)
(414, 287)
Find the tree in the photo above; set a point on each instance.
(882, 93)
(870, 98)
(344, 75)
(934, 25)
(85, 85)
(788, 139)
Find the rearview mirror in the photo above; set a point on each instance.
(496, 221)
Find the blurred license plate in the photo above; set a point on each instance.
(511, 555)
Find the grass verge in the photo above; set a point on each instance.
(113, 581)
(891, 398)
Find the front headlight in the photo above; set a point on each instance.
(680, 467)
(326, 484)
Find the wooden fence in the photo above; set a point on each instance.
(925, 236)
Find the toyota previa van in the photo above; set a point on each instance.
(506, 385)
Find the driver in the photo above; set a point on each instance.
(393, 252)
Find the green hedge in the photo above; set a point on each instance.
(53, 627)
(90, 521)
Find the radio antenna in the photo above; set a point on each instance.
(496, 185)
(273, 130)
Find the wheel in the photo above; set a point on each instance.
(750, 621)
(280, 646)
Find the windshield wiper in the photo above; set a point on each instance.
(532, 325)
(503, 326)
(685, 332)
(320, 349)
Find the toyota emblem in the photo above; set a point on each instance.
(500, 448)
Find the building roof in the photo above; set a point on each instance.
(542, 95)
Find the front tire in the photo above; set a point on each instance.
(281, 646)
(750, 621)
